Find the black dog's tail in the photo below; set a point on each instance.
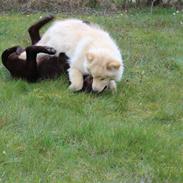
(6, 54)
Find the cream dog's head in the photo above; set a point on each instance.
(104, 68)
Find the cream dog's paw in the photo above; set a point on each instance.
(112, 86)
(73, 87)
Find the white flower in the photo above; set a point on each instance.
(174, 14)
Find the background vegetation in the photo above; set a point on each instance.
(74, 5)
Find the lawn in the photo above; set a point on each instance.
(49, 134)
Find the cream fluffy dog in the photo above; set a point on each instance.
(91, 51)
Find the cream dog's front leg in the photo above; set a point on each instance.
(76, 79)
(112, 86)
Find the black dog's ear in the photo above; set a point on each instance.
(86, 22)
(62, 55)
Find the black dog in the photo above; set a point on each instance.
(48, 67)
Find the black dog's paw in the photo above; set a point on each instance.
(62, 55)
(86, 22)
(50, 17)
(50, 50)
(47, 18)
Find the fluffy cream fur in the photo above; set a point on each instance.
(91, 51)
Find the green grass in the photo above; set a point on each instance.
(49, 134)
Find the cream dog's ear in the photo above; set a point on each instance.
(113, 65)
(90, 56)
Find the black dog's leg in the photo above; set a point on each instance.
(31, 65)
(6, 54)
(34, 29)
(31, 52)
